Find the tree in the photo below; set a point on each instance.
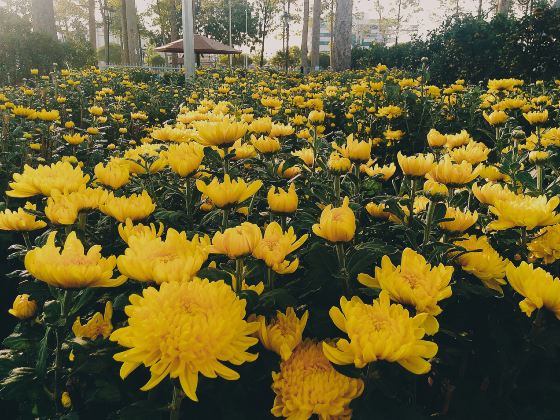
(42, 17)
(124, 34)
(173, 26)
(503, 7)
(212, 20)
(267, 12)
(92, 26)
(71, 19)
(304, 35)
(402, 10)
(342, 48)
(281, 58)
(315, 34)
(132, 32)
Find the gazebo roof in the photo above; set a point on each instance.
(202, 45)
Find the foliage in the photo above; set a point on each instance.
(493, 359)
(115, 54)
(471, 48)
(21, 50)
(279, 59)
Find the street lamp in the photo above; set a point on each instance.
(188, 39)
(107, 14)
(230, 43)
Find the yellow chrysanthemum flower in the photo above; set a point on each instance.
(61, 176)
(455, 174)
(458, 139)
(133, 207)
(308, 385)
(283, 333)
(495, 117)
(283, 202)
(482, 261)
(491, 192)
(261, 125)
(436, 139)
(98, 325)
(384, 172)
(185, 158)
(524, 211)
(183, 329)
(219, 133)
(128, 230)
(275, 246)
(546, 245)
(339, 164)
(150, 258)
(281, 130)
(538, 287)
(237, 241)
(536, 117)
(20, 220)
(71, 267)
(414, 282)
(355, 150)
(74, 139)
(380, 331)
(416, 166)
(265, 145)
(115, 174)
(23, 307)
(228, 193)
(337, 224)
(474, 152)
(461, 220)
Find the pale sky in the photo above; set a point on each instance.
(428, 18)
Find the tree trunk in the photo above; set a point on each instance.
(262, 49)
(174, 29)
(304, 35)
(42, 16)
(480, 8)
(342, 57)
(92, 26)
(315, 34)
(287, 58)
(503, 7)
(331, 33)
(133, 35)
(399, 18)
(124, 34)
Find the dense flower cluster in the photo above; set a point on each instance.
(324, 231)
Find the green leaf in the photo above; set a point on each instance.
(42, 354)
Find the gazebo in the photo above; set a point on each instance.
(202, 45)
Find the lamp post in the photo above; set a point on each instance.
(246, 30)
(188, 39)
(230, 43)
(107, 14)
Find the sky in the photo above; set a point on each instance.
(429, 17)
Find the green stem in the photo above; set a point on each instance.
(225, 219)
(27, 241)
(523, 250)
(175, 408)
(336, 187)
(59, 331)
(283, 222)
(429, 218)
(226, 164)
(270, 277)
(342, 265)
(239, 273)
(539, 178)
(411, 202)
(188, 199)
(357, 175)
